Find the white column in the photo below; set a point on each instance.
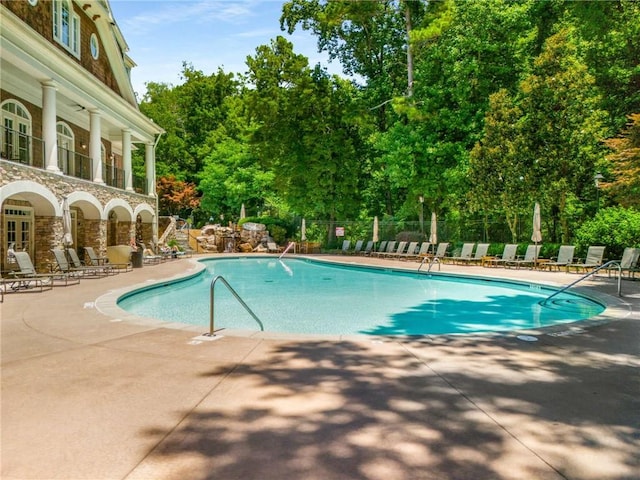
(126, 159)
(95, 152)
(150, 164)
(49, 135)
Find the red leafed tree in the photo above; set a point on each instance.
(177, 197)
(625, 187)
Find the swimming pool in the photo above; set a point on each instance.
(316, 297)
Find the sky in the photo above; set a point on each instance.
(208, 34)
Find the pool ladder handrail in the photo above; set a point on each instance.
(587, 275)
(235, 294)
(431, 261)
(291, 244)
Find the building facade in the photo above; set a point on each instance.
(70, 122)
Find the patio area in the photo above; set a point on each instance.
(88, 394)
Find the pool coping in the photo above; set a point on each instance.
(107, 304)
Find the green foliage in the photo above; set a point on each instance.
(509, 105)
(616, 228)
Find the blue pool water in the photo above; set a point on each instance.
(306, 296)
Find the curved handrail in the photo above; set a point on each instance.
(291, 244)
(235, 294)
(431, 260)
(587, 275)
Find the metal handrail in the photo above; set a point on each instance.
(587, 275)
(431, 260)
(291, 244)
(235, 294)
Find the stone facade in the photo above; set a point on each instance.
(48, 230)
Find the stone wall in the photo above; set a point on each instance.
(90, 232)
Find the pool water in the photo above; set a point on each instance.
(312, 297)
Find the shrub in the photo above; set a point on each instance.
(615, 228)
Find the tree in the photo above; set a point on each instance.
(625, 161)
(307, 132)
(498, 173)
(562, 128)
(176, 197)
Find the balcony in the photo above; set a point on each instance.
(27, 150)
(22, 148)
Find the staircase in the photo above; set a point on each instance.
(172, 232)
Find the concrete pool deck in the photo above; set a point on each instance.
(86, 395)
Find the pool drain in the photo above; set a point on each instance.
(527, 338)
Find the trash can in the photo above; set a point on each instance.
(136, 258)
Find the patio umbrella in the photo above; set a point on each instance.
(536, 236)
(243, 214)
(67, 237)
(433, 237)
(375, 230)
(303, 231)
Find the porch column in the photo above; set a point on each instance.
(150, 164)
(95, 152)
(49, 134)
(126, 159)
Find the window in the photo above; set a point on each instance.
(16, 132)
(66, 26)
(95, 48)
(18, 223)
(66, 148)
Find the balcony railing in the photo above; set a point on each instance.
(74, 164)
(113, 176)
(140, 185)
(27, 150)
(22, 148)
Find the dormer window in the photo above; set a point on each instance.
(66, 26)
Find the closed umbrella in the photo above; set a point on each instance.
(303, 231)
(242, 212)
(433, 237)
(67, 236)
(536, 236)
(375, 230)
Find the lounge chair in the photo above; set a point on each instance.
(402, 246)
(27, 270)
(530, 258)
(272, 247)
(381, 248)
(26, 277)
(508, 255)
(63, 266)
(480, 253)
(594, 257)
(391, 246)
(410, 253)
(465, 254)
(423, 251)
(95, 270)
(367, 249)
(345, 247)
(628, 263)
(565, 257)
(441, 251)
(358, 248)
(95, 261)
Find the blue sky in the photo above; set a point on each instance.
(208, 34)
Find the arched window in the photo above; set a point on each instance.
(16, 132)
(66, 148)
(66, 26)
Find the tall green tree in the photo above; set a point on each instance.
(562, 127)
(307, 132)
(498, 172)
